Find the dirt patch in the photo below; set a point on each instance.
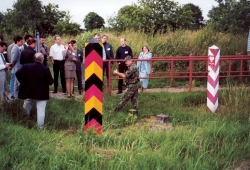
(149, 124)
(105, 153)
(245, 165)
(60, 95)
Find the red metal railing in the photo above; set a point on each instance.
(191, 74)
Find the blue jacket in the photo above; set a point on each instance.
(147, 63)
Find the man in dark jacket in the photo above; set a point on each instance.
(107, 55)
(123, 51)
(28, 54)
(34, 80)
(79, 57)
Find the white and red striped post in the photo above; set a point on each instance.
(213, 78)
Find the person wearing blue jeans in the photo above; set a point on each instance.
(12, 80)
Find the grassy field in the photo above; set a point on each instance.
(194, 139)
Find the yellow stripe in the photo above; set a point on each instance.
(93, 68)
(93, 102)
(86, 43)
(101, 44)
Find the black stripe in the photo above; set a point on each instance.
(93, 46)
(93, 80)
(93, 114)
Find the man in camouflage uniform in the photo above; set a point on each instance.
(132, 79)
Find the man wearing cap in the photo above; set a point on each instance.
(132, 79)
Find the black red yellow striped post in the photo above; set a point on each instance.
(93, 85)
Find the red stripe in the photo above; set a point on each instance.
(93, 91)
(93, 124)
(217, 66)
(93, 56)
(212, 82)
(212, 98)
(214, 51)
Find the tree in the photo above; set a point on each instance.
(51, 16)
(189, 16)
(128, 17)
(26, 16)
(93, 21)
(157, 16)
(230, 16)
(27, 20)
(65, 26)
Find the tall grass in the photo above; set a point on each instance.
(193, 140)
(178, 43)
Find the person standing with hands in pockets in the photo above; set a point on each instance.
(123, 51)
(144, 67)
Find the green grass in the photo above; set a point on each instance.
(195, 140)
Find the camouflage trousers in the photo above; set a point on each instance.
(131, 92)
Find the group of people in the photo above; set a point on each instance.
(127, 69)
(30, 76)
(67, 61)
(121, 53)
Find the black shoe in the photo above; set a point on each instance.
(54, 91)
(12, 97)
(118, 92)
(80, 92)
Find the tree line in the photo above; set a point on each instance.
(147, 16)
(29, 15)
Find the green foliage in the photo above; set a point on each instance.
(129, 16)
(93, 21)
(189, 17)
(230, 16)
(51, 16)
(27, 20)
(45, 18)
(65, 26)
(152, 16)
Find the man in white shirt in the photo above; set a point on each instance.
(57, 60)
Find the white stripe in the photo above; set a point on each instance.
(212, 106)
(212, 90)
(213, 74)
(217, 58)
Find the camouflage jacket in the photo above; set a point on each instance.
(132, 75)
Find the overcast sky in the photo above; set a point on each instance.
(80, 8)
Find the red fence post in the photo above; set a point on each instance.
(229, 68)
(109, 77)
(171, 72)
(241, 65)
(151, 70)
(190, 75)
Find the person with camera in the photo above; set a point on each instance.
(70, 67)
